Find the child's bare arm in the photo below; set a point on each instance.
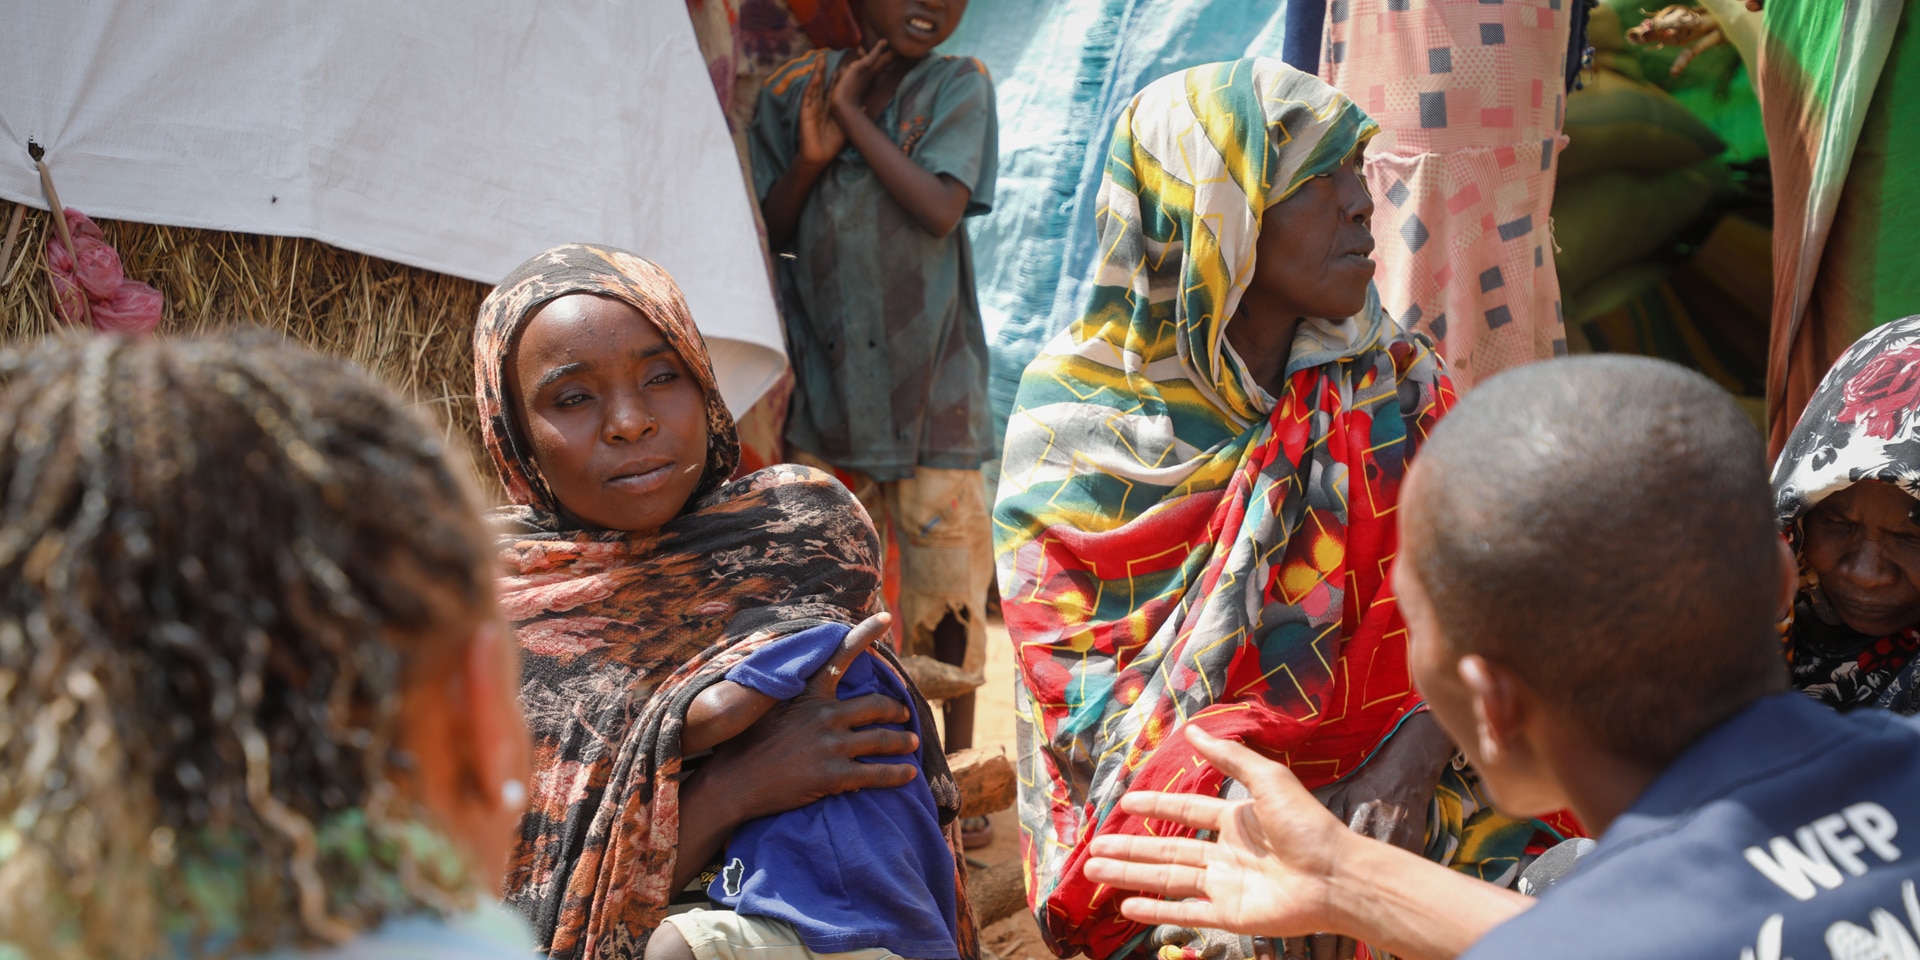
(720, 713)
(936, 201)
(786, 199)
(821, 140)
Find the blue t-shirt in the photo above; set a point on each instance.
(852, 871)
(1778, 835)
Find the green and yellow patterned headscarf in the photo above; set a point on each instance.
(1195, 163)
(1175, 544)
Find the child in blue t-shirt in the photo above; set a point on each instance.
(864, 870)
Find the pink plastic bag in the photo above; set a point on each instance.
(92, 276)
(133, 309)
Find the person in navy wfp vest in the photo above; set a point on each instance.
(1592, 577)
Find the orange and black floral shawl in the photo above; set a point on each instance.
(620, 631)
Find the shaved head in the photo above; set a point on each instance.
(1602, 527)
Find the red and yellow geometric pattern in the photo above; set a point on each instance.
(1177, 546)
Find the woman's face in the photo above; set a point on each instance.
(1313, 253)
(617, 424)
(1864, 545)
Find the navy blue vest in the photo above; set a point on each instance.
(1790, 831)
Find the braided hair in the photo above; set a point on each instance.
(219, 559)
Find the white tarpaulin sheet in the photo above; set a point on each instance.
(460, 136)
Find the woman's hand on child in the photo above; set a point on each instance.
(855, 80)
(810, 747)
(825, 681)
(821, 138)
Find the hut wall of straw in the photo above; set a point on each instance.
(413, 328)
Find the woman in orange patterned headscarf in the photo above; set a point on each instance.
(638, 581)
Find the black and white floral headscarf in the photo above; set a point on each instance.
(1860, 425)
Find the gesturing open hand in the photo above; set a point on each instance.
(1283, 866)
(816, 739)
(1267, 873)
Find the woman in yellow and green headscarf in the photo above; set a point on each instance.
(1196, 513)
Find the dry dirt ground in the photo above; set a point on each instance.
(1017, 937)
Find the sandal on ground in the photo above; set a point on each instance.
(975, 832)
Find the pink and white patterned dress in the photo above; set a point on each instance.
(1470, 97)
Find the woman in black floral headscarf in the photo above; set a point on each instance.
(1847, 488)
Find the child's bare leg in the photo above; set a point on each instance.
(667, 944)
(950, 646)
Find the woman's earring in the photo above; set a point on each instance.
(513, 793)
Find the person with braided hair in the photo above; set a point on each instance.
(256, 695)
(665, 608)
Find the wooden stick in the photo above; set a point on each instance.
(66, 239)
(13, 234)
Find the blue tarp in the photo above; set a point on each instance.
(1063, 71)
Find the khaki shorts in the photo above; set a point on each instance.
(725, 935)
(938, 519)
